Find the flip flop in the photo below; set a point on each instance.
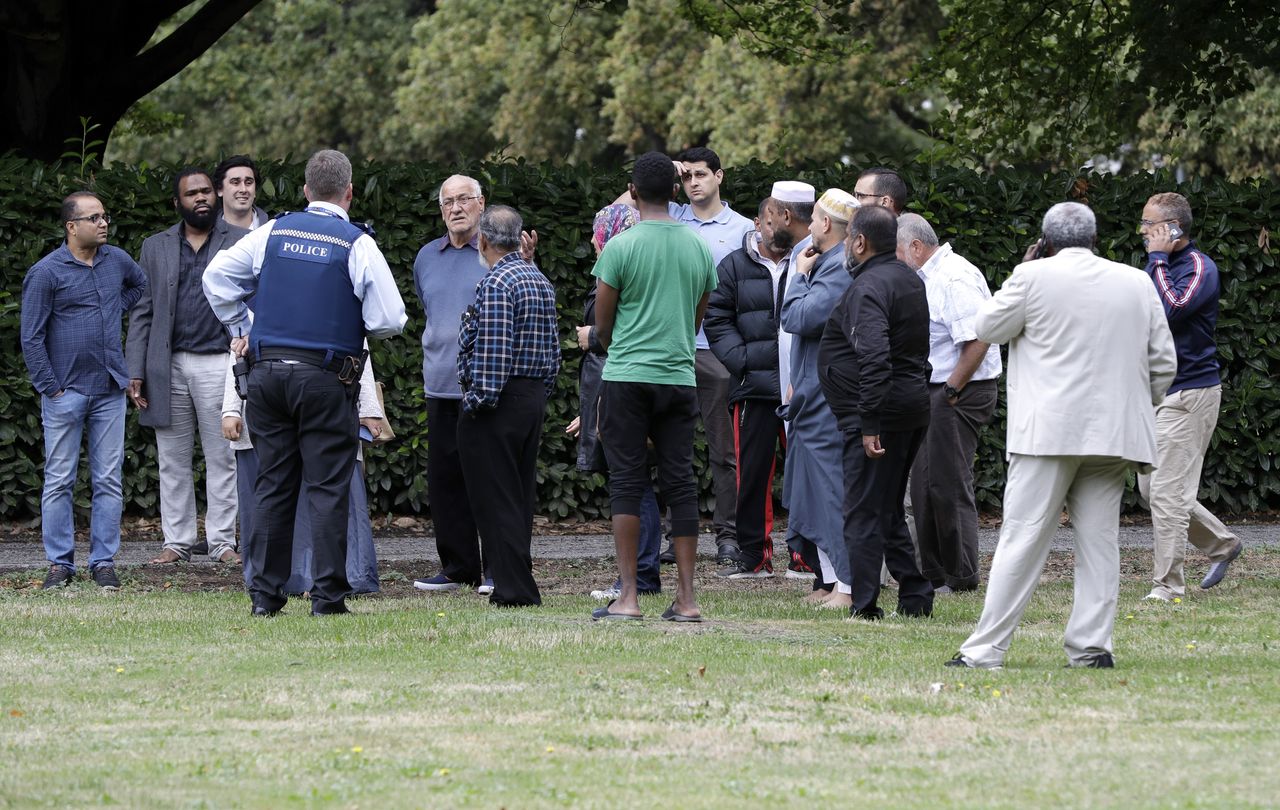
(670, 615)
(604, 614)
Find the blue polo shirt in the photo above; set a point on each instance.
(445, 278)
(723, 234)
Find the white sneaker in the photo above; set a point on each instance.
(1157, 596)
(606, 593)
(485, 588)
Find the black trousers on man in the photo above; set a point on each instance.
(498, 448)
(942, 496)
(713, 402)
(455, 528)
(757, 431)
(875, 523)
(304, 427)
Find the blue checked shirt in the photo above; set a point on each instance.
(71, 320)
(510, 331)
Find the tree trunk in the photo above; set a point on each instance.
(65, 60)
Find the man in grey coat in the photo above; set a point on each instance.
(176, 355)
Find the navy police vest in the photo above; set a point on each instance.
(305, 299)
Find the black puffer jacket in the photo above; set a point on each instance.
(742, 324)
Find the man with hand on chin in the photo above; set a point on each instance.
(176, 354)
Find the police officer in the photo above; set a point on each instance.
(320, 285)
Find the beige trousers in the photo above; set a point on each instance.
(1035, 489)
(1184, 426)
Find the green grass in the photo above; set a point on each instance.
(154, 698)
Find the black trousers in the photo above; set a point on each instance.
(757, 430)
(875, 523)
(942, 495)
(631, 414)
(713, 403)
(304, 427)
(455, 528)
(498, 448)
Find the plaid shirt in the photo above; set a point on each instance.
(510, 331)
(71, 315)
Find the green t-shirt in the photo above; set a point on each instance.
(661, 270)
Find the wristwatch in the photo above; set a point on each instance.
(950, 391)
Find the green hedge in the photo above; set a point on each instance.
(988, 217)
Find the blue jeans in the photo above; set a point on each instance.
(648, 569)
(64, 421)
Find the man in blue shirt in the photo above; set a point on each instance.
(508, 358)
(1187, 281)
(72, 304)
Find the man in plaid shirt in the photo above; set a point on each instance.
(508, 359)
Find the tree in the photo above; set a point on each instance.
(1059, 82)
(66, 61)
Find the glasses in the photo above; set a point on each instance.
(863, 196)
(461, 202)
(94, 218)
(1146, 223)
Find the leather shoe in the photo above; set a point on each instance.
(337, 609)
(1219, 569)
(167, 557)
(727, 553)
(229, 556)
(264, 612)
(1095, 661)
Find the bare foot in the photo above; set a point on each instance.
(837, 601)
(819, 595)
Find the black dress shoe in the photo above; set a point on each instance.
(727, 553)
(335, 609)
(874, 614)
(1097, 661)
(264, 612)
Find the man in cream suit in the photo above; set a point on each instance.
(1090, 356)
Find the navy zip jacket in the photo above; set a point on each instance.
(1187, 281)
(742, 324)
(873, 361)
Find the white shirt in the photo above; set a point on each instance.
(956, 291)
(232, 276)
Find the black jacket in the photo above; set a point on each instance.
(873, 360)
(742, 324)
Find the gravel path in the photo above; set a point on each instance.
(28, 553)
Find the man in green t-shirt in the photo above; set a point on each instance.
(652, 290)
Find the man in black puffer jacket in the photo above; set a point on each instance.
(873, 364)
(742, 328)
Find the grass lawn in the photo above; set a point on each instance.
(169, 695)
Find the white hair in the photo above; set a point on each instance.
(1069, 224)
(912, 227)
(475, 185)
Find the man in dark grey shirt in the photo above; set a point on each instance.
(177, 358)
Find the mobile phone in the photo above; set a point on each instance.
(1038, 251)
(1175, 233)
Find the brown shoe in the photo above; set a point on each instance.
(167, 557)
(229, 556)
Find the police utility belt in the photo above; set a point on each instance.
(347, 367)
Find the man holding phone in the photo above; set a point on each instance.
(1188, 284)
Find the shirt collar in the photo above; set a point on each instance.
(65, 255)
(935, 261)
(687, 214)
(328, 208)
(445, 242)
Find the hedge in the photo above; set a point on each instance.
(988, 217)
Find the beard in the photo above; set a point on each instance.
(201, 221)
(782, 241)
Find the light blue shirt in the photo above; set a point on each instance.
(232, 276)
(723, 233)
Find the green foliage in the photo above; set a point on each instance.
(989, 218)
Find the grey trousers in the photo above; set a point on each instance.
(1033, 496)
(946, 512)
(713, 401)
(196, 385)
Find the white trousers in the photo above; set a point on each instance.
(196, 386)
(1035, 490)
(1184, 426)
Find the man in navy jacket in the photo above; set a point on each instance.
(1187, 282)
